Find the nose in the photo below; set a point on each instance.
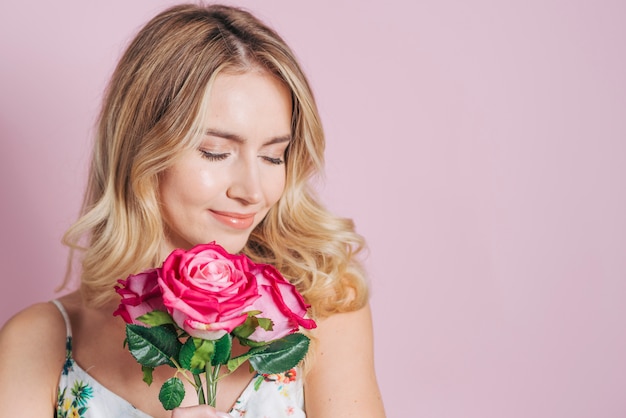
(245, 185)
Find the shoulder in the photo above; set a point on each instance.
(41, 322)
(342, 381)
(32, 344)
(343, 325)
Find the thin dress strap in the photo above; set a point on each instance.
(68, 325)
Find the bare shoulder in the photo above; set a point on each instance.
(342, 380)
(32, 344)
(41, 322)
(337, 325)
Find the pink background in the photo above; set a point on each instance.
(479, 145)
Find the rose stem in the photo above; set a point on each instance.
(211, 383)
(199, 389)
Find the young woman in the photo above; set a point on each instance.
(208, 132)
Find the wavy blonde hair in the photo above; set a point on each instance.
(151, 113)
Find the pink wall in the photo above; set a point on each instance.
(479, 145)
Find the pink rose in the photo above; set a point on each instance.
(207, 290)
(140, 294)
(280, 302)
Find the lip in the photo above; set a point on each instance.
(234, 220)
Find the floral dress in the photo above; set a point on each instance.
(274, 395)
(81, 396)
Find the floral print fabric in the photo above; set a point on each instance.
(81, 396)
(272, 396)
(73, 404)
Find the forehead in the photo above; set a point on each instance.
(253, 102)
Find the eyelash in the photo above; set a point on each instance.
(219, 157)
(213, 157)
(275, 161)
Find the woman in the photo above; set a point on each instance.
(208, 132)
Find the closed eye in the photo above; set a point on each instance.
(272, 160)
(211, 156)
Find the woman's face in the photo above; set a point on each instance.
(222, 190)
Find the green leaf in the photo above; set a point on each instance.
(223, 348)
(156, 318)
(172, 393)
(186, 354)
(266, 324)
(202, 355)
(147, 374)
(247, 328)
(235, 362)
(250, 343)
(154, 346)
(281, 355)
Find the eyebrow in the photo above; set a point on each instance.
(241, 140)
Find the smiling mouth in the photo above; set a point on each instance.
(235, 220)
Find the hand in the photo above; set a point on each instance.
(200, 411)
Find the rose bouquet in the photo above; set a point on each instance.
(186, 314)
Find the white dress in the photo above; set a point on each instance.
(82, 396)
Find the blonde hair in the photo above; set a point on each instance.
(151, 113)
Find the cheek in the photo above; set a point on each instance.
(197, 185)
(209, 182)
(167, 194)
(184, 188)
(275, 188)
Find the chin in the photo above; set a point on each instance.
(233, 246)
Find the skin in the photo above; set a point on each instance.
(236, 170)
